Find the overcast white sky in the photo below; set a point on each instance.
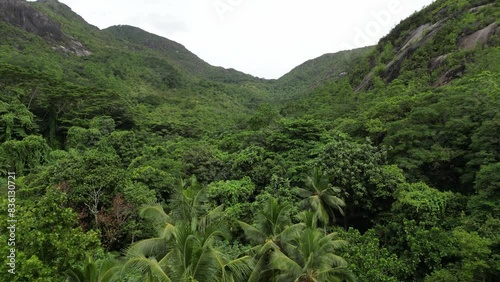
(265, 38)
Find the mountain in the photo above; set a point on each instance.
(23, 15)
(435, 41)
(319, 71)
(47, 37)
(52, 46)
(176, 53)
(430, 78)
(392, 149)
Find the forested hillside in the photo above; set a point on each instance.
(125, 157)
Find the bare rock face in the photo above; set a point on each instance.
(418, 37)
(74, 47)
(21, 14)
(479, 37)
(437, 62)
(450, 75)
(479, 8)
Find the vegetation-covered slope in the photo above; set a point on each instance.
(319, 71)
(177, 53)
(134, 160)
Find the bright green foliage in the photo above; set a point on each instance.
(234, 195)
(16, 121)
(293, 252)
(280, 189)
(312, 257)
(418, 201)
(231, 192)
(368, 260)
(271, 231)
(49, 240)
(97, 123)
(253, 161)
(87, 183)
(186, 248)
(104, 270)
(367, 184)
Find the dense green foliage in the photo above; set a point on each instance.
(137, 161)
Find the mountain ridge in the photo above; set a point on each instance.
(406, 170)
(130, 34)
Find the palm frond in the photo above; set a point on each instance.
(74, 275)
(303, 193)
(309, 219)
(239, 269)
(318, 206)
(148, 247)
(252, 233)
(340, 274)
(145, 265)
(155, 213)
(282, 262)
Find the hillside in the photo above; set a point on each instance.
(176, 53)
(319, 71)
(126, 157)
(46, 38)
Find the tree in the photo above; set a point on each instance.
(104, 270)
(312, 257)
(359, 169)
(16, 121)
(185, 249)
(25, 155)
(272, 230)
(368, 260)
(50, 239)
(235, 195)
(321, 197)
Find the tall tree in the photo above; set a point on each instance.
(271, 232)
(104, 270)
(186, 250)
(321, 196)
(312, 257)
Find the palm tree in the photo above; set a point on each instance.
(148, 256)
(185, 248)
(271, 232)
(320, 196)
(311, 257)
(105, 270)
(188, 200)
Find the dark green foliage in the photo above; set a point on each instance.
(24, 155)
(243, 179)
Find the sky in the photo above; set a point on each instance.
(264, 38)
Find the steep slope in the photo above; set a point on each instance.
(437, 42)
(157, 84)
(313, 73)
(24, 16)
(176, 53)
(406, 168)
(427, 91)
